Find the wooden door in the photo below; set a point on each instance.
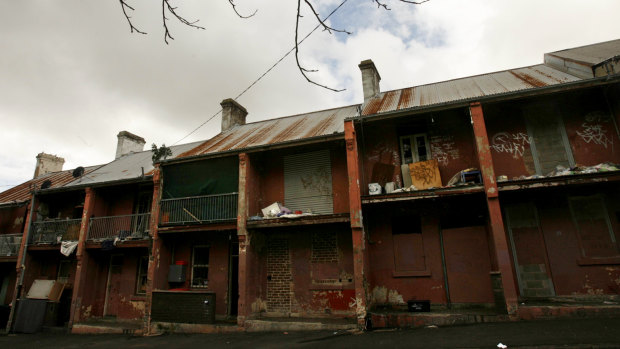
(113, 298)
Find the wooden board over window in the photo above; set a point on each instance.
(425, 174)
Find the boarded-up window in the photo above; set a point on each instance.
(408, 244)
(549, 142)
(308, 182)
(595, 231)
(324, 247)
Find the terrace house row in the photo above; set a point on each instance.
(487, 192)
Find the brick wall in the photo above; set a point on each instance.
(278, 276)
(324, 247)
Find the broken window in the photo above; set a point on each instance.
(143, 267)
(596, 235)
(200, 266)
(414, 148)
(409, 256)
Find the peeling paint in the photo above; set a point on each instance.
(259, 306)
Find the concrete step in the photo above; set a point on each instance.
(271, 325)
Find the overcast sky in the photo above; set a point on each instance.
(72, 75)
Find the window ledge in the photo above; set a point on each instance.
(598, 261)
(411, 273)
(138, 298)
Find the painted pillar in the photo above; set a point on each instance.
(360, 253)
(154, 255)
(495, 213)
(82, 259)
(243, 307)
(21, 261)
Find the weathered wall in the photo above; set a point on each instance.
(572, 275)
(509, 140)
(181, 248)
(307, 271)
(449, 136)
(7, 271)
(12, 220)
(590, 128)
(269, 174)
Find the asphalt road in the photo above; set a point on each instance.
(574, 333)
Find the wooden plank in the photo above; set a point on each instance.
(425, 174)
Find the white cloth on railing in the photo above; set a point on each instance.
(67, 247)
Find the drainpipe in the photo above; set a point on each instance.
(22, 267)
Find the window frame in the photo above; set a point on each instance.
(414, 154)
(194, 265)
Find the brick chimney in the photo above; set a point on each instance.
(233, 114)
(47, 163)
(370, 79)
(128, 143)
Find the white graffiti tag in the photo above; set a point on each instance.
(595, 133)
(511, 143)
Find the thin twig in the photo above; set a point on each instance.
(165, 4)
(325, 26)
(126, 6)
(237, 12)
(302, 69)
(385, 7)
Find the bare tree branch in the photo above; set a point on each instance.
(165, 4)
(325, 26)
(126, 6)
(232, 3)
(302, 69)
(385, 7)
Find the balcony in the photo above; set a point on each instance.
(134, 226)
(55, 231)
(9, 244)
(199, 209)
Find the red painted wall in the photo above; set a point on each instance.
(450, 139)
(509, 140)
(269, 175)
(590, 128)
(12, 220)
(384, 286)
(180, 246)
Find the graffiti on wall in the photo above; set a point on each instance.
(510, 143)
(593, 130)
(444, 149)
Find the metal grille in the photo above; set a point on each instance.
(199, 209)
(135, 226)
(9, 244)
(308, 182)
(54, 231)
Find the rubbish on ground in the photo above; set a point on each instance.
(502, 346)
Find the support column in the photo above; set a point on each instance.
(244, 305)
(20, 267)
(82, 259)
(495, 212)
(154, 255)
(360, 252)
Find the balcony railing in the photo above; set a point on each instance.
(199, 209)
(9, 244)
(134, 226)
(55, 231)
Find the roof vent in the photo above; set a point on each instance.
(78, 172)
(46, 184)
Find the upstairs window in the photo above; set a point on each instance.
(414, 148)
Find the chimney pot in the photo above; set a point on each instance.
(47, 163)
(370, 79)
(128, 143)
(233, 114)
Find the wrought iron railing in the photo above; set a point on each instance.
(55, 231)
(199, 209)
(9, 244)
(134, 226)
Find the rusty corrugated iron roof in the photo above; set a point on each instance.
(580, 61)
(23, 192)
(467, 88)
(274, 131)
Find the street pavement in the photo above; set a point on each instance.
(571, 333)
